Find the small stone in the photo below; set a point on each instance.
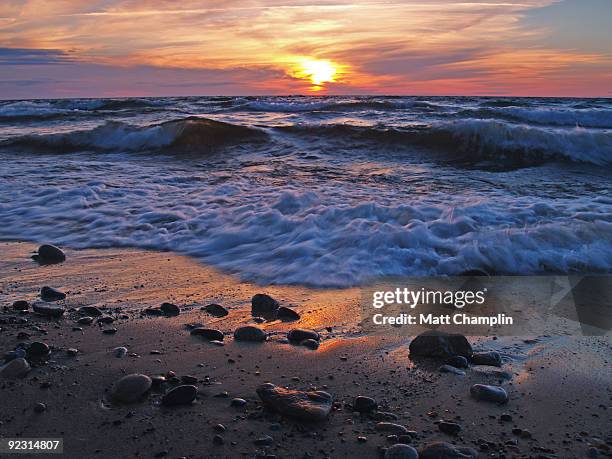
(442, 450)
(208, 333)
(90, 311)
(391, 428)
(188, 379)
(457, 361)
(364, 404)
(38, 349)
(310, 344)
(131, 388)
(180, 395)
(238, 402)
(306, 406)
(439, 345)
(18, 353)
(72, 351)
(16, 368)
(219, 428)
(451, 369)
(215, 310)
(169, 309)
(120, 352)
(298, 335)
(401, 451)
(105, 320)
(266, 440)
(87, 320)
(109, 331)
(265, 305)
(362, 438)
(286, 314)
(259, 320)
(218, 440)
(487, 393)
(48, 253)
(505, 417)
(491, 358)
(51, 294)
(450, 428)
(40, 407)
(48, 310)
(21, 305)
(250, 333)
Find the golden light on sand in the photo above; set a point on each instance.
(317, 71)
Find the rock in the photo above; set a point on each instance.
(364, 404)
(442, 450)
(120, 352)
(169, 309)
(298, 335)
(218, 440)
(131, 388)
(48, 310)
(451, 369)
(109, 331)
(450, 428)
(16, 368)
(51, 294)
(400, 451)
(384, 416)
(40, 407)
(266, 440)
(259, 320)
(21, 305)
(216, 310)
(18, 353)
(491, 358)
(250, 333)
(265, 305)
(153, 312)
(391, 428)
(87, 320)
(305, 406)
(505, 417)
(208, 333)
(105, 320)
(90, 311)
(238, 402)
(310, 344)
(486, 393)
(188, 379)
(48, 253)
(286, 314)
(180, 395)
(458, 361)
(38, 349)
(439, 345)
(72, 351)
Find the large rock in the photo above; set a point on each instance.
(131, 388)
(90, 311)
(401, 451)
(216, 310)
(364, 404)
(208, 333)
(442, 450)
(38, 349)
(264, 305)
(51, 294)
(439, 345)
(169, 309)
(305, 406)
(250, 333)
(487, 393)
(48, 310)
(48, 253)
(298, 335)
(491, 358)
(180, 395)
(21, 305)
(16, 368)
(286, 314)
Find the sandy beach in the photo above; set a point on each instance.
(559, 388)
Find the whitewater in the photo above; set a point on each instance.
(319, 191)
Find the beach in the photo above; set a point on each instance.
(558, 387)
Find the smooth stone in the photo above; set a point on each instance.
(457, 361)
(392, 428)
(208, 333)
(439, 345)
(131, 388)
(238, 402)
(310, 344)
(21, 305)
(90, 311)
(48, 253)
(216, 310)
(451, 369)
(401, 451)
(38, 349)
(153, 312)
(491, 358)
(40, 407)
(180, 395)
(250, 333)
(266, 440)
(105, 320)
(298, 335)
(18, 353)
(384, 416)
(169, 309)
(263, 304)
(87, 320)
(51, 294)
(364, 404)
(442, 450)
(487, 393)
(48, 310)
(120, 352)
(16, 368)
(109, 331)
(305, 406)
(72, 351)
(450, 428)
(286, 314)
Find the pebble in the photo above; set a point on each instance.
(16, 368)
(506, 417)
(120, 352)
(208, 333)
(305, 406)
(450, 428)
(219, 428)
(180, 395)
(436, 344)
(451, 369)
(310, 344)
(266, 440)
(87, 320)
(109, 331)
(442, 450)
(48, 253)
(286, 314)
(487, 393)
(238, 402)
(298, 335)
(169, 309)
(457, 361)
(364, 404)
(131, 388)
(72, 351)
(215, 310)
(265, 305)
(90, 311)
(51, 294)
(38, 349)
(18, 353)
(218, 440)
(21, 305)
(40, 407)
(401, 451)
(48, 310)
(105, 320)
(250, 333)
(392, 428)
(491, 358)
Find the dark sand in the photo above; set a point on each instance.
(560, 389)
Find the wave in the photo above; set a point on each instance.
(190, 134)
(325, 105)
(594, 118)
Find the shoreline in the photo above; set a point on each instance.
(559, 388)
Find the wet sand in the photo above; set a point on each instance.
(560, 387)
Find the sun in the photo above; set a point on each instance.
(317, 71)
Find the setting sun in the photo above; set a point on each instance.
(317, 71)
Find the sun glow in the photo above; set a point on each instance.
(317, 71)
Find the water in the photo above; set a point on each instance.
(326, 191)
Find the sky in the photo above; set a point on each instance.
(121, 48)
